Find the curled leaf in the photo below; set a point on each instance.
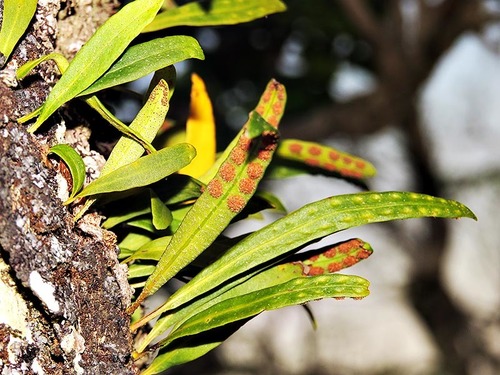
(75, 165)
(61, 62)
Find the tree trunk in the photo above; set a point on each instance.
(63, 293)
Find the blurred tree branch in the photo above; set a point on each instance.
(405, 52)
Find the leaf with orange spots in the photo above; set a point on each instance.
(312, 222)
(200, 129)
(323, 157)
(225, 196)
(270, 107)
(335, 258)
(311, 263)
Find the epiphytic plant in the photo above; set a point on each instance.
(174, 227)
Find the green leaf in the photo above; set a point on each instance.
(188, 349)
(309, 223)
(98, 54)
(142, 172)
(61, 62)
(137, 206)
(147, 123)
(75, 164)
(162, 217)
(336, 258)
(143, 223)
(151, 250)
(99, 107)
(217, 12)
(142, 59)
(293, 292)
(139, 270)
(312, 263)
(227, 193)
(131, 243)
(16, 18)
(327, 158)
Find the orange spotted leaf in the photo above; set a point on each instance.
(311, 222)
(336, 258)
(326, 158)
(226, 195)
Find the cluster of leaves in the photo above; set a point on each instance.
(176, 200)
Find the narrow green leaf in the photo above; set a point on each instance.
(75, 164)
(309, 223)
(99, 107)
(162, 217)
(217, 12)
(92, 101)
(142, 172)
(327, 158)
(142, 59)
(61, 62)
(98, 54)
(151, 250)
(294, 292)
(139, 270)
(143, 223)
(312, 263)
(227, 193)
(188, 349)
(131, 243)
(139, 205)
(16, 18)
(147, 123)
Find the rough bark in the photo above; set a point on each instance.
(63, 293)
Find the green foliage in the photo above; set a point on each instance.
(216, 12)
(174, 227)
(17, 16)
(140, 60)
(142, 172)
(97, 55)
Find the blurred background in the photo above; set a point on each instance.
(414, 87)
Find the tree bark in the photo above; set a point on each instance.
(63, 293)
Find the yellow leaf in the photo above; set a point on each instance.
(200, 129)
